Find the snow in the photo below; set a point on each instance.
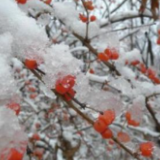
(11, 134)
(58, 63)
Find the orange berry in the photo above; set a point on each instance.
(88, 5)
(21, 1)
(35, 137)
(128, 116)
(93, 18)
(123, 137)
(156, 80)
(103, 57)
(107, 134)
(146, 149)
(47, 1)
(65, 84)
(91, 71)
(158, 41)
(130, 121)
(115, 56)
(135, 62)
(30, 64)
(108, 52)
(108, 117)
(143, 68)
(13, 154)
(83, 18)
(69, 95)
(99, 126)
(15, 107)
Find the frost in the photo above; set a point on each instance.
(131, 56)
(23, 29)
(80, 28)
(11, 134)
(66, 12)
(71, 19)
(137, 108)
(58, 63)
(96, 98)
(7, 82)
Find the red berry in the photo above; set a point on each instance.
(99, 126)
(21, 1)
(93, 18)
(88, 5)
(15, 107)
(158, 41)
(91, 71)
(47, 1)
(114, 56)
(135, 62)
(156, 80)
(61, 87)
(130, 120)
(103, 57)
(69, 95)
(146, 149)
(107, 134)
(143, 68)
(108, 52)
(65, 84)
(30, 64)
(35, 137)
(13, 154)
(108, 117)
(123, 137)
(83, 18)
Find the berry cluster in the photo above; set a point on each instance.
(146, 149)
(130, 121)
(84, 19)
(150, 73)
(88, 5)
(102, 124)
(64, 87)
(108, 54)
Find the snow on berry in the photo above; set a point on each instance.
(59, 63)
(146, 149)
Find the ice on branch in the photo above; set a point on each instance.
(11, 133)
(24, 30)
(59, 63)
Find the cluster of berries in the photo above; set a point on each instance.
(108, 54)
(102, 124)
(130, 120)
(84, 19)
(88, 5)
(64, 86)
(150, 73)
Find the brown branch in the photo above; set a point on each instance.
(94, 51)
